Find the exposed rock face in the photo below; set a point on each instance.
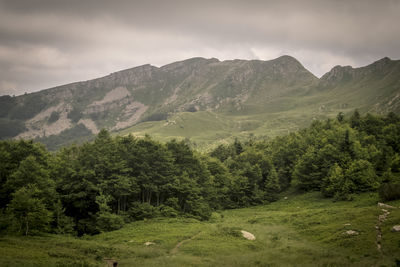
(130, 115)
(115, 94)
(337, 75)
(38, 126)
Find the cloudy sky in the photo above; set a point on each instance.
(45, 43)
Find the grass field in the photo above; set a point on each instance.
(302, 230)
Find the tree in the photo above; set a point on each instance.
(238, 147)
(355, 119)
(362, 174)
(335, 184)
(31, 172)
(340, 117)
(307, 173)
(272, 187)
(29, 211)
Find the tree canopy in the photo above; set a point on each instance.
(100, 185)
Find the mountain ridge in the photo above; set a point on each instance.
(275, 88)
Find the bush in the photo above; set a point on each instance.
(156, 117)
(198, 208)
(10, 128)
(75, 115)
(167, 211)
(107, 221)
(172, 202)
(140, 211)
(389, 191)
(53, 117)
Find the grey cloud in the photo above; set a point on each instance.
(46, 42)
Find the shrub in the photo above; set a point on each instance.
(53, 117)
(10, 128)
(198, 208)
(167, 211)
(75, 115)
(389, 191)
(140, 211)
(107, 221)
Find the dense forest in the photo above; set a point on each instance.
(101, 185)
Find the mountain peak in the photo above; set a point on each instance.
(336, 75)
(381, 64)
(383, 60)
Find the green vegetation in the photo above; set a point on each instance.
(10, 128)
(303, 230)
(53, 117)
(78, 134)
(101, 186)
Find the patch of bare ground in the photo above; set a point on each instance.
(38, 126)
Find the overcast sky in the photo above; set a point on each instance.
(45, 43)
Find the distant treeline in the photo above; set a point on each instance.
(100, 185)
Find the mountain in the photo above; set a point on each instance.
(374, 88)
(206, 100)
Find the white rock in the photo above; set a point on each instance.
(347, 224)
(149, 243)
(351, 232)
(396, 228)
(248, 235)
(285, 198)
(382, 218)
(383, 205)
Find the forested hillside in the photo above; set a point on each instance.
(101, 185)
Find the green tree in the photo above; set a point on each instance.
(307, 173)
(355, 119)
(362, 174)
(31, 172)
(29, 211)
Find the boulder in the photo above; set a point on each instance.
(248, 235)
(351, 232)
(396, 228)
(386, 206)
(149, 243)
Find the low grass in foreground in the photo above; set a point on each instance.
(302, 230)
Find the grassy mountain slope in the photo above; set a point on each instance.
(302, 230)
(374, 88)
(206, 100)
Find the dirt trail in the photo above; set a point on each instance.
(176, 248)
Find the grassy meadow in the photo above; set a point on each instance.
(302, 230)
